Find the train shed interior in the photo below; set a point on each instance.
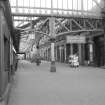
(50, 30)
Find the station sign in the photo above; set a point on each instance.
(75, 39)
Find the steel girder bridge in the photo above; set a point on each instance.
(48, 21)
(71, 16)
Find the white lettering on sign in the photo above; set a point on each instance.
(75, 39)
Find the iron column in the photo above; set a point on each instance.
(52, 39)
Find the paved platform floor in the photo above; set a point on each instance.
(68, 86)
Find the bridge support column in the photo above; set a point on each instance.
(65, 53)
(52, 35)
(80, 53)
(90, 44)
(53, 67)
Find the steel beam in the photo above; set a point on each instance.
(62, 25)
(53, 9)
(81, 31)
(77, 24)
(90, 24)
(54, 15)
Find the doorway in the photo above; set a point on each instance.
(99, 51)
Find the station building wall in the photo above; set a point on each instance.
(90, 52)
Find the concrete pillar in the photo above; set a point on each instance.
(60, 49)
(47, 54)
(52, 52)
(83, 53)
(56, 53)
(91, 52)
(90, 45)
(80, 53)
(52, 35)
(65, 52)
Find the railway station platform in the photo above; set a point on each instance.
(36, 85)
(52, 30)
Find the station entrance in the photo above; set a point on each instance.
(76, 45)
(99, 51)
(77, 49)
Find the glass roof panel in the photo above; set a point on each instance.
(63, 7)
(56, 5)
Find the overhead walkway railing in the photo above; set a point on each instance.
(83, 9)
(60, 8)
(36, 12)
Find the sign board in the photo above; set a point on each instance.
(75, 39)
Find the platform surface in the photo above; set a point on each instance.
(36, 85)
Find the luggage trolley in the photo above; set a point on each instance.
(73, 61)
